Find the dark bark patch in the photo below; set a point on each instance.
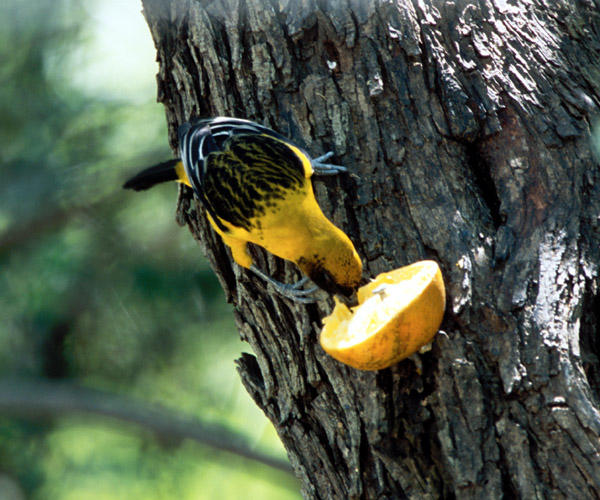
(589, 337)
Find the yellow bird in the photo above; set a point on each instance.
(255, 187)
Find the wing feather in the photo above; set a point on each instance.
(238, 167)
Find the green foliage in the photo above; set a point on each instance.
(100, 287)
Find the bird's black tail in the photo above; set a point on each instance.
(150, 176)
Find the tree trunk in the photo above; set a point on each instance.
(466, 126)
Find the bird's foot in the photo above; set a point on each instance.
(321, 168)
(293, 291)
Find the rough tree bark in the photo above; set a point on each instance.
(466, 125)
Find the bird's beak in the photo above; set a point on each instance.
(350, 300)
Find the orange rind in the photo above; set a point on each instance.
(398, 313)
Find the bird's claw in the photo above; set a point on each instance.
(321, 168)
(294, 291)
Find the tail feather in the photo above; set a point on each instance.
(163, 172)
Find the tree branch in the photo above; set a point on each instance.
(42, 399)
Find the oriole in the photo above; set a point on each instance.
(255, 187)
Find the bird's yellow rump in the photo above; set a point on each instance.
(255, 186)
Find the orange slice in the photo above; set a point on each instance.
(397, 313)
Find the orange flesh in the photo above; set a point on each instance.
(398, 313)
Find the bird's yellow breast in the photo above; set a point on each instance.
(286, 227)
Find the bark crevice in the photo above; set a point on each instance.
(590, 336)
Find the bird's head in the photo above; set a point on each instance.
(335, 267)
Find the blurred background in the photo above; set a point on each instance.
(117, 348)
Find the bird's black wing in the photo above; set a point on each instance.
(238, 168)
(223, 127)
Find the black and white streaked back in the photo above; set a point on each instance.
(200, 138)
(211, 151)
